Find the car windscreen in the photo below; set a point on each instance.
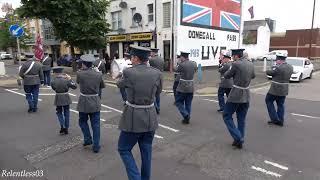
(295, 62)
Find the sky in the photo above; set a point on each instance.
(289, 14)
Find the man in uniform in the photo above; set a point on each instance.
(242, 72)
(139, 119)
(176, 80)
(32, 74)
(185, 88)
(100, 64)
(61, 84)
(157, 62)
(225, 84)
(46, 67)
(89, 104)
(279, 89)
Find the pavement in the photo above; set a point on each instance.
(201, 150)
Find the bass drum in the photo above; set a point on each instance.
(118, 65)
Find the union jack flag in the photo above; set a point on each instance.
(223, 14)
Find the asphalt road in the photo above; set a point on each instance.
(201, 150)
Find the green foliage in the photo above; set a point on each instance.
(6, 39)
(80, 23)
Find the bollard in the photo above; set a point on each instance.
(2, 69)
(199, 73)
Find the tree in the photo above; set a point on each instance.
(80, 23)
(6, 39)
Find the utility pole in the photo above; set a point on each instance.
(310, 43)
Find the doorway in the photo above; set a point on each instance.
(166, 55)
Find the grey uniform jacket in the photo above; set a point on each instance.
(225, 83)
(280, 79)
(61, 86)
(34, 76)
(186, 69)
(90, 83)
(142, 83)
(46, 64)
(102, 67)
(157, 62)
(242, 72)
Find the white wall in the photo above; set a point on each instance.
(263, 43)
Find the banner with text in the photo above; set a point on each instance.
(205, 45)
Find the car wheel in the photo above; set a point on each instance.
(310, 77)
(300, 77)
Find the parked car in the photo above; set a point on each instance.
(23, 57)
(302, 68)
(65, 60)
(272, 55)
(4, 55)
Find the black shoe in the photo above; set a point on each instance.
(87, 143)
(61, 130)
(220, 110)
(234, 143)
(279, 124)
(238, 145)
(96, 150)
(158, 111)
(30, 110)
(34, 109)
(186, 120)
(65, 131)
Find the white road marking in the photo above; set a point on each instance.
(157, 136)
(266, 171)
(14, 92)
(276, 165)
(211, 100)
(47, 94)
(15, 89)
(103, 120)
(111, 108)
(119, 111)
(45, 88)
(302, 115)
(169, 128)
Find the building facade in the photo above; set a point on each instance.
(173, 26)
(297, 42)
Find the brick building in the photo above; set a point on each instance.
(297, 42)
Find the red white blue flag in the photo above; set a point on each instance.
(218, 14)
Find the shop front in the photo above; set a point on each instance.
(120, 44)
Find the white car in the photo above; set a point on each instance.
(302, 68)
(4, 55)
(272, 55)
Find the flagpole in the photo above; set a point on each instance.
(310, 44)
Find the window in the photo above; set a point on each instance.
(150, 12)
(116, 20)
(166, 14)
(133, 11)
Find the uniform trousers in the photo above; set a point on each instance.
(95, 125)
(221, 92)
(275, 115)
(63, 114)
(47, 77)
(32, 94)
(184, 102)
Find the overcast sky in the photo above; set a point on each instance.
(289, 14)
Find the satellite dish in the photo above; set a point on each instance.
(137, 18)
(123, 4)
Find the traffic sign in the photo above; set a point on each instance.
(16, 30)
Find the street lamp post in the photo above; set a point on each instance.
(310, 43)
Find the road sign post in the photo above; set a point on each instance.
(17, 32)
(19, 53)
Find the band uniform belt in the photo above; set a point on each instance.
(88, 95)
(280, 83)
(139, 106)
(186, 80)
(239, 87)
(31, 75)
(62, 93)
